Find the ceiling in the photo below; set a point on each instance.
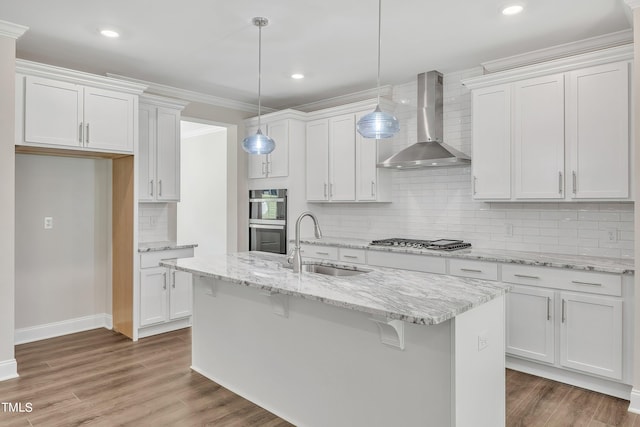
(211, 46)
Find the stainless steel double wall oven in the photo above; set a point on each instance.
(268, 220)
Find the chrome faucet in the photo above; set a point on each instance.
(295, 258)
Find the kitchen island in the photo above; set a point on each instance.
(384, 347)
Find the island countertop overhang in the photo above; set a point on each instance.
(414, 297)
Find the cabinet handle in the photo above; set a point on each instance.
(577, 282)
(322, 253)
(560, 182)
(564, 310)
(548, 308)
(81, 134)
(173, 273)
(269, 170)
(475, 179)
(159, 187)
(151, 193)
(331, 190)
(264, 169)
(350, 256)
(471, 270)
(524, 276)
(575, 182)
(87, 133)
(373, 188)
(325, 189)
(165, 281)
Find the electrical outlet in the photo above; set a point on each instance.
(153, 220)
(48, 223)
(612, 235)
(483, 340)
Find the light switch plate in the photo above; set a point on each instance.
(48, 222)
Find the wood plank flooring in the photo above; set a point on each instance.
(101, 378)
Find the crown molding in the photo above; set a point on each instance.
(9, 29)
(205, 130)
(614, 54)
(192, 96)
(289, 113)
(633, 4)
(79, 77)
(161, 101)
(592, 44)
(385, 91)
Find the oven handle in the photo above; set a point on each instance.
(266, 200)
(268, 227)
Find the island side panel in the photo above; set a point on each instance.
(321, 365)
(479, 353)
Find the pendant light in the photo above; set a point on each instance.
(259, 143)
(378, 124)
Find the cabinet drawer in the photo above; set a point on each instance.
(427, 264)
(317, 251)
(473, 269)
(152, 259)
(565, 279)
(358, 256)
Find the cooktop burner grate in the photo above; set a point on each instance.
(440, 244)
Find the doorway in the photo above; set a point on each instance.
(201, 215)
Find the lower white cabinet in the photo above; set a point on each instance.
(530, 328)
(591, 334)
(165, 295)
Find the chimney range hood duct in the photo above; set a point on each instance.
(429, 151)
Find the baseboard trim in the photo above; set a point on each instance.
(634, 404)
(8, 369)
(161, 328)
(65, 327)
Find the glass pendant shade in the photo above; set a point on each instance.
(258, 143)
(378, 124)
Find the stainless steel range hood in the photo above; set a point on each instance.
(429, 151)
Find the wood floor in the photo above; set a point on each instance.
(102, 378)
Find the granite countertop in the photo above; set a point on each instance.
(576, 262)
(163, 246)
(414, 297)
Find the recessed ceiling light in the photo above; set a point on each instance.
(110, 33)
(297, 76)
(512, 10)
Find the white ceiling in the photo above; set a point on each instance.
(211, 46)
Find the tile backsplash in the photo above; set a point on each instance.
(436, 203)
(156, 222)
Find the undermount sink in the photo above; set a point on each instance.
(330, 270)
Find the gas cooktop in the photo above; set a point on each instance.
(439, 245)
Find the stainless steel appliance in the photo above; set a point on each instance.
(268, 220)
(438, 245)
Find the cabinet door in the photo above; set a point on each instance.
(278, 159)
(153, 295)
(53, 112)
(168, 154)
(598, 131)
(317, 160)
(366, 169)
(530, 331)
(108, 120)
(257, 164)
(539, 138)
(591, 334)
(342, 155)
(146, 152)
(180, 299)
(492, 142)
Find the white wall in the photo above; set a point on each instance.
(202, 210)
(62, 273)
(433, 203)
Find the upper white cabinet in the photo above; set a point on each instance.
(561, 136)
(317, 160)
(372, 183)
(159, 149)
(77, 111)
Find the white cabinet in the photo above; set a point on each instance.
(591, 334)
(539, 138)
(165, 294)
(562, 136)
(373, 184)
(159, 150)
(61, 114)
(530, 323)
(180, 295)
(276, 163)
(317, 160)
(491, 143)
(598, 131)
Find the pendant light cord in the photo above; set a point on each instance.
(379, 44)
(259, 69)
